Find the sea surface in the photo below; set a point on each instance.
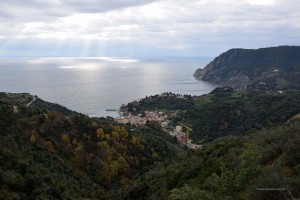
(92, 85)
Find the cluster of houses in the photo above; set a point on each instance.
(141, 118)
(183, 138)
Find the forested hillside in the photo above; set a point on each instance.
(263, 165)
(224, 111)
(273, 68)
(250, 149)
(50, 155)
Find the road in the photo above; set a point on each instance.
(34, 98)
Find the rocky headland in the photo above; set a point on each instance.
(274, 68)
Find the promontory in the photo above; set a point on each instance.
(273, 68)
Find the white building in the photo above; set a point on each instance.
(178, 129)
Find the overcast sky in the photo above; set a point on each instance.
(152, 28)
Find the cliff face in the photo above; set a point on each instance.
(273, 68)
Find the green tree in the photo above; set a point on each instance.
(190, 193)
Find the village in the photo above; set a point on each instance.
(159, 117)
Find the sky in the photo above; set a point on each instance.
(144, 28)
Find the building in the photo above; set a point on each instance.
(178, 129)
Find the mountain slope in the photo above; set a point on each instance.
(224, 111)
(263, 165)
(274, 68)
(50, 155)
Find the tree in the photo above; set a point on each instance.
(49, 146)
(190, 193)
(100, 133)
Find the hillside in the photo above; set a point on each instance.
(223, 112)
(274, 68)
(48, 154)
(263, 165)
(250, 144)
(250, 147)
(226, 112)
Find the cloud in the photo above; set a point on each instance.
(261, 2)
(96, 6)
(36, 10)
(190, 27)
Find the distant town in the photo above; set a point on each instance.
(162, 119)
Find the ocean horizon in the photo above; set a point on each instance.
(90, 85)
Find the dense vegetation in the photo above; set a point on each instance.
(164, 102)
(50, 155)
(224, 111)
(254, 154)
(261, 165)
(251, 149)
(275, 68)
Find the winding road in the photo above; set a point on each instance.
(28, 104)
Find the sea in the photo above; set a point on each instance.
(91, 85)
